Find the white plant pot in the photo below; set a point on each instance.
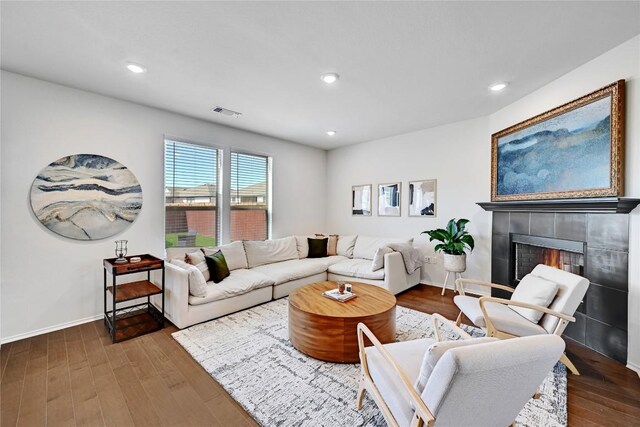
(455, 263)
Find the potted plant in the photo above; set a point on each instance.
(454, 240)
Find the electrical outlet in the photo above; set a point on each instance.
(431, 260)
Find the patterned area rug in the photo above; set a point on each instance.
(249, 354)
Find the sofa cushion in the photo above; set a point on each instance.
(356, 268)
(218, 268)
(197, 284)
(285, 271)
(378, 258)
(196, 258)
(233, 253)
(330, 260)
(317, 247)
(270, 251)
(239, 282)
(345, 245)
(533, 290)
(332, 244)
(302, 245)
(366, 246)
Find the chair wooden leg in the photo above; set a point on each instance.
(459, 319)
(444, 285)
(360, 395)
(565, 360)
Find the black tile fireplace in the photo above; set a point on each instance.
(582, 238)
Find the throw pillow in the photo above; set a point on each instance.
(378, 258)
(533, 290)
(332, 244)
(345, 245)
(233, 253)
(217, 267)
(197, 284)
(197, 259)
(436, 351)
(317, 247)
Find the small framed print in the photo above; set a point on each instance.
(389, 199)
(422, 198)
(361, 200)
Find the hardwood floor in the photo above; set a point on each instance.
(77, 377)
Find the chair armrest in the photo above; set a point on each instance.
(490, 325)
(435, 317)
(415, 399)
(461, 281)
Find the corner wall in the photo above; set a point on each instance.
(458, 155)
(49, 281)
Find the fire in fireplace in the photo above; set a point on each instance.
(530, 251)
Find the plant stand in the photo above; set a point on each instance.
(456, 276)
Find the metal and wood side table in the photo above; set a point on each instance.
(124, 322)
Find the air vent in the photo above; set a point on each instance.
(225, 111)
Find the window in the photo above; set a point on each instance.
(191, 192)
(249, 197)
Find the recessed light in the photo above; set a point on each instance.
(497, 87)
(329, 78)
(136, 68)
(331, 132)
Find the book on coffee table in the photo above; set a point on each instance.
(336, 295)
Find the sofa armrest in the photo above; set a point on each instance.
(176, 293)
(395, 273)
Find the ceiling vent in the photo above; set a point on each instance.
(225, 111)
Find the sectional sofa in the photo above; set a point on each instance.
(271, 269)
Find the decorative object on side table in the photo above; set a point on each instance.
(361, 200)
(422, 198)
(130, 321)
(389, 199)
(573, 151)
(455, 239)
(121, 251)
(86, 197)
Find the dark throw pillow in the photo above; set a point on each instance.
(317, 247)
(217, 265)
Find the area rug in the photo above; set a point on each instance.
(249, 354)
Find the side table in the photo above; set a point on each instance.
(130, 321)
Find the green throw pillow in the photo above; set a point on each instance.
(217, 265)
(317, 247)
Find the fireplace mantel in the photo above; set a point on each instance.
(596, 205)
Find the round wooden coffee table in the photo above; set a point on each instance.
(327, 330)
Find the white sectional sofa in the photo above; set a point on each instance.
(271, 269)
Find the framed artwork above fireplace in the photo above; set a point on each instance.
(572, 151)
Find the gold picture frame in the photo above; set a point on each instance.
(575, 150)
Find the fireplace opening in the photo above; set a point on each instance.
(529, 251)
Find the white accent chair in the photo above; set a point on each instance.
(498, 317)
(472, 384)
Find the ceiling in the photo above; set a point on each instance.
(404, 66)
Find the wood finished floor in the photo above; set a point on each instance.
(77, 377)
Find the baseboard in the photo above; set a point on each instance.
(634, 367)
(50, 329)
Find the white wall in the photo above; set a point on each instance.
(47, 280)
(457, 155)
(622, 62)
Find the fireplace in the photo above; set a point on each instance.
(527, 251)
(589, 237)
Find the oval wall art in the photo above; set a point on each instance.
(86, 197)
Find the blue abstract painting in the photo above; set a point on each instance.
(86, 197)
(569, 152)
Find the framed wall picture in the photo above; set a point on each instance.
(422, 198)
(361, 200)
(573, 151)
(389, 199)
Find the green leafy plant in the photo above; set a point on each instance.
(455, 238)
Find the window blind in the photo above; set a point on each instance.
(249, 197)
(191, 191)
